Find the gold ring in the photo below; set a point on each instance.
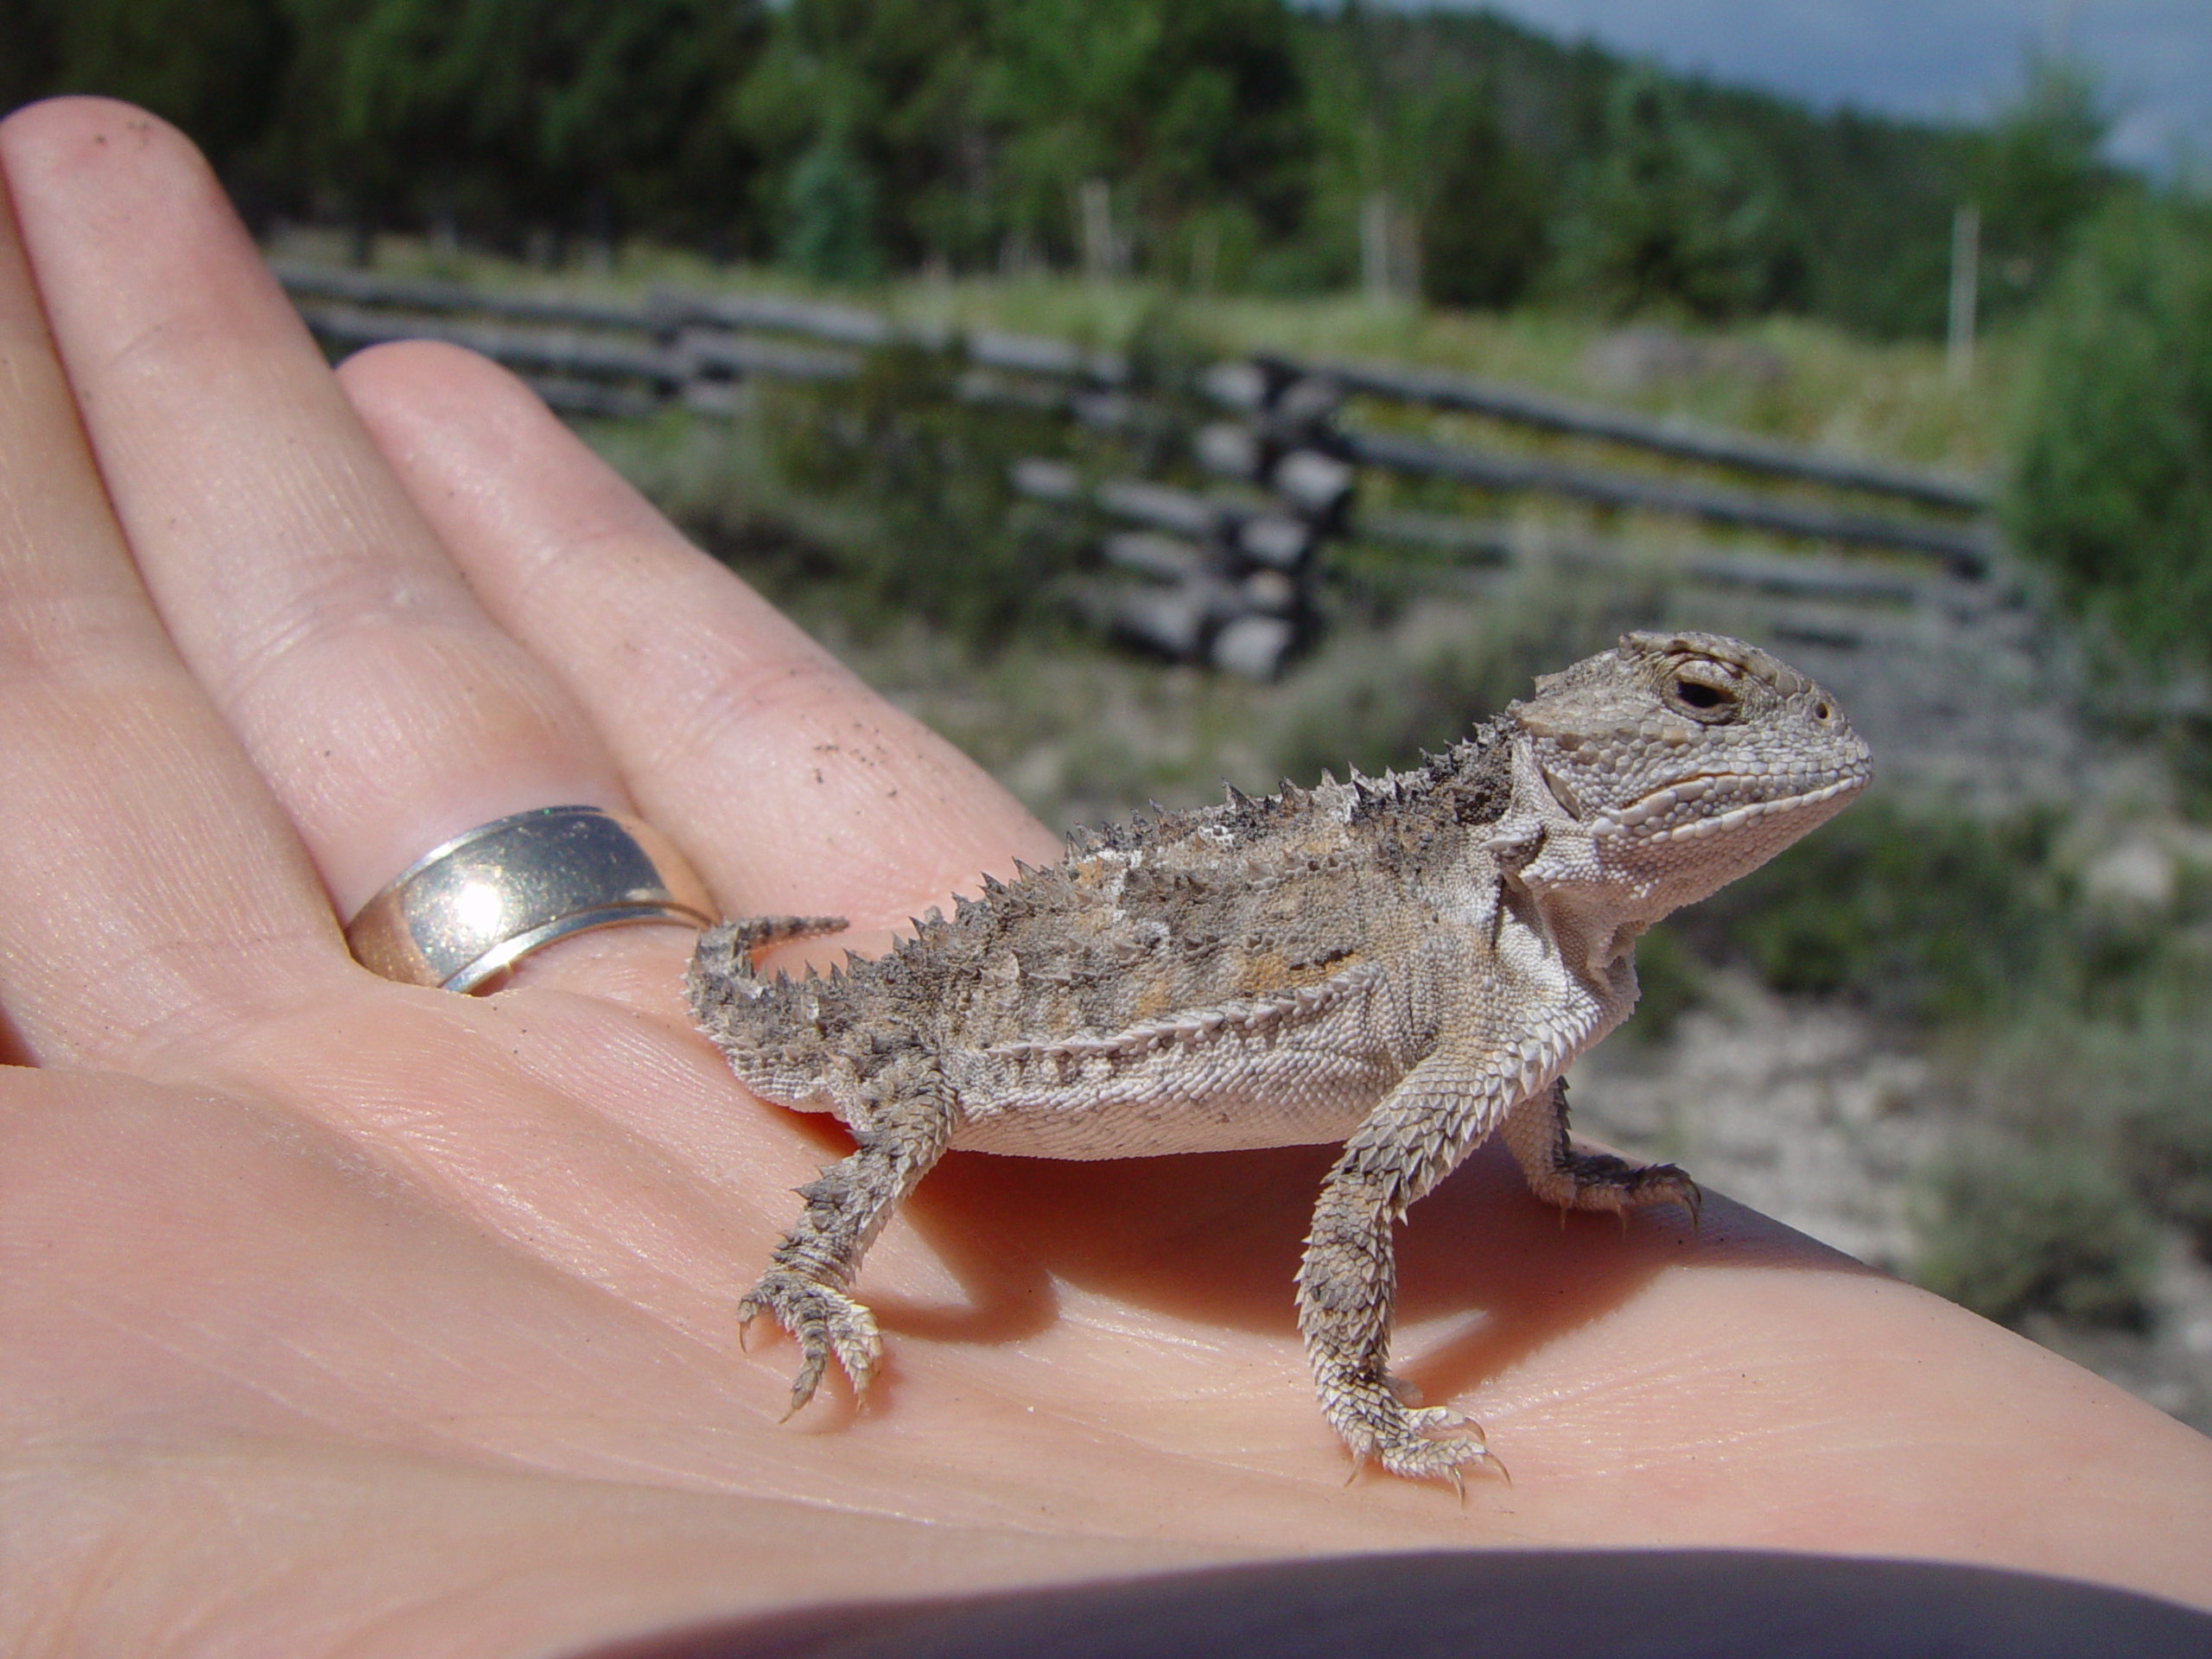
(472, 908)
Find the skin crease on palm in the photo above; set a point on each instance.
(341, 1316)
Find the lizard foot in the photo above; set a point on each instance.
(1437, 1443)
(823, 1320)
(1597, 1180)
(1423, 1443)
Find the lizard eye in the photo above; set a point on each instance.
(1703, 698)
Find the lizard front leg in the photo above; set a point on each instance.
(805, 1288)
(1558, 1174)
(1347, 1283)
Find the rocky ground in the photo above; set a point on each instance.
(1815, 1116)
(1801, 1110)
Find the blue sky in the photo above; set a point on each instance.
(1958, 59)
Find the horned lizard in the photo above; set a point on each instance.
(1403, 963)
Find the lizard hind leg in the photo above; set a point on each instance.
(806, 1289)
(1560, 1173)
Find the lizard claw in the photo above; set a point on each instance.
(1692, 1198)
(1421, 1443)
(825, 1322)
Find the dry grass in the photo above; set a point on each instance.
(1812, 384)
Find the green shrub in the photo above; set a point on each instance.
(829, 204)
(2039, 174)
(2141, 1091)
(1671, 982)
(2131, 1097)
(1911, 913)
(2171, 1160)
(2017, 1230)
(1483, 231)
(2111, 476)
(1678, 215)
(930, 525)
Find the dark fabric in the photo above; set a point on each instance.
(1497, 1604)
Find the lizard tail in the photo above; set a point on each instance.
(755, 1021)
(721, 976)
(722, 965)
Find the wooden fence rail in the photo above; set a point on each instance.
(1965, 548)
(1678, 439)
(1230, 577)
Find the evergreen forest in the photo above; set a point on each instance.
(1225, 145)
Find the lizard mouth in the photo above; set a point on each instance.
(1714, 804)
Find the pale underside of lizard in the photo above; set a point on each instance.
(1403, 964)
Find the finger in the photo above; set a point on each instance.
(309, 597)
(148, 883)
(798, 790)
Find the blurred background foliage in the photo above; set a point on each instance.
(2112, 485)
(1241, 141)
(1235, 146)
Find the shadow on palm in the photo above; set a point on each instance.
(1215, 1238)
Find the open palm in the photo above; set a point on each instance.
(335, 1312)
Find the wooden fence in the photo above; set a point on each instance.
(1226, 575)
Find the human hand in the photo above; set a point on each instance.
(336, 1312)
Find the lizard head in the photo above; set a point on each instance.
(1667, 766)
